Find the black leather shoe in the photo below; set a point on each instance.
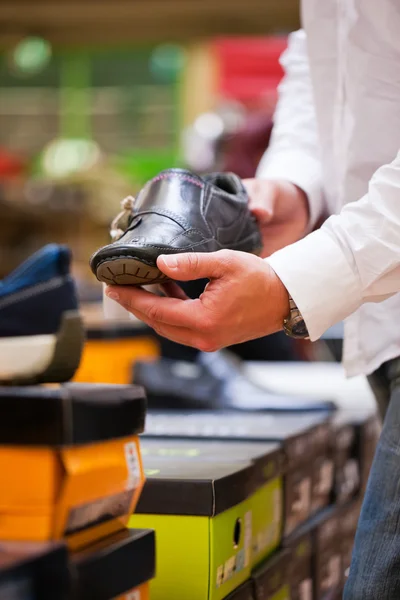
(176, 212)
(215, 381)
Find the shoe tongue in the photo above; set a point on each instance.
(227, 182)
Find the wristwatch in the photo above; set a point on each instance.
(294, 325)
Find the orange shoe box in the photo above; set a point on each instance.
(70, 463)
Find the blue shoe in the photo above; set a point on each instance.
(41, 332)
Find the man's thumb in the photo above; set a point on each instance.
(193, 265)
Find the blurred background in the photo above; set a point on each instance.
(97, 96)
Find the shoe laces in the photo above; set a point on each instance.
(116, 229)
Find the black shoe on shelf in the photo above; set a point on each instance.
(176, 212)
(215, 381)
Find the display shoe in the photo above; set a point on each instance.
(216, 381)
(41, 333)
(176, 212)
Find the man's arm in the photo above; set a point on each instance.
(354, 258)
(293, 153)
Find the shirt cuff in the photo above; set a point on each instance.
(301, 170)
(320, 280)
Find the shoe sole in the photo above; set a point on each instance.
(126, 270)
(27, 360)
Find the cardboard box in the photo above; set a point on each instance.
(368, 429)
(304, 438)
(267, 460)
(346, 459)
(111, 348)
(116, 568)
(271, 580)
(244, 592)
(348, 520)
(30, 570)
(213, 520)
(327, 555)
(70, 464)
(299, 545)
(322, 481)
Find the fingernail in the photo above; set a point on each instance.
(112, 295)
(170, 261)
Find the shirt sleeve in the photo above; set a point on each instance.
(293, 152)
(353, 259)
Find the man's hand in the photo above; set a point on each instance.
(243, 300)
(281, 209)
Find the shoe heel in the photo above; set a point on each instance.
(68, 350)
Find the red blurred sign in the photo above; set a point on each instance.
(249, 68)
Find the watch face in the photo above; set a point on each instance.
(299, 329)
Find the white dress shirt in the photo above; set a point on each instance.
(337, 136)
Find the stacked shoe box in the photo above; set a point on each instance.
(118, 567)
(216, 509)
(355, 435)
(244, 441)
(314, 456)
(34, 571)
(71, 471)
(321, 548)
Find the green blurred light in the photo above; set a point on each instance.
(31, 55)
(64, 157)
(166, 62)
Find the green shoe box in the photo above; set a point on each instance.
(213, 519)
(272, 579)
(34, 571)
(267, 460)
(305, 439)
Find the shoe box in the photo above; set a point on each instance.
(368, 429)
(326, 554)
(110, 349)
(348, 519)
(271, 580)
(346, 460)
(267, 460)
(243, 592)
(34, 571)
(300, 549)
(70, 464)
(322, 478)
(118, 567)
(214, 517)
(305, 439)
(355, 436)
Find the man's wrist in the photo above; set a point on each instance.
(279, 300)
